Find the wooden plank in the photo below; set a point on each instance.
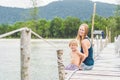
(94, 75)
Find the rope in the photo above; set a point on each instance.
(68, 78)
(96, 57)
(12, 32)
(44, 39)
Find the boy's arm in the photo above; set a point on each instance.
(81, 55)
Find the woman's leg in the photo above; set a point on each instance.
(85, 67)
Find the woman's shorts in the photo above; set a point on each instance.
(86, 67)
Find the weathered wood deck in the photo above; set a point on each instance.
(107, 67)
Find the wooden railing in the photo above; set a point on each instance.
(99, 45)
(117, 44)
(25, 50)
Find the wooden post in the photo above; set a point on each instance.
(101, 43)
(106, 40)
(60, 65)
(110, 36)
(118, 44)
(97, 44)
(25, 54)
(94, 10)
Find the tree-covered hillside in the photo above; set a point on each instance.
(81, 9)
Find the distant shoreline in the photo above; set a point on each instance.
(13, 39)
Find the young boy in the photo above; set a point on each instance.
(76, 56)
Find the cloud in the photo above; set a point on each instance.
(24, 3)
(107, 1)
(28, 3)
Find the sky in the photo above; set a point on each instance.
(28, 3)
(24, 3)
(108, 1)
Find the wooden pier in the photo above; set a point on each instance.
(107, 67)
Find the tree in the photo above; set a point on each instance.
(43, 29)
(4, 28)
(71, 25)
(117, 18)
(56, 27)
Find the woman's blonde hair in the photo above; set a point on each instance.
(80, 38)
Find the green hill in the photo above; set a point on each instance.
(82, 9)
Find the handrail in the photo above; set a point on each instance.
(15, 31)
(11, 32)
(43, 39)
(117, 44)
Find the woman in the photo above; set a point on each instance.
(86, 47)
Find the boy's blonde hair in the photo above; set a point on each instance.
(73, 42)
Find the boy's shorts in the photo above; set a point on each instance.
(71, 67)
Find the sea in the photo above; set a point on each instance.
(43, 58)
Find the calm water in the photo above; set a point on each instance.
(43, 59)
